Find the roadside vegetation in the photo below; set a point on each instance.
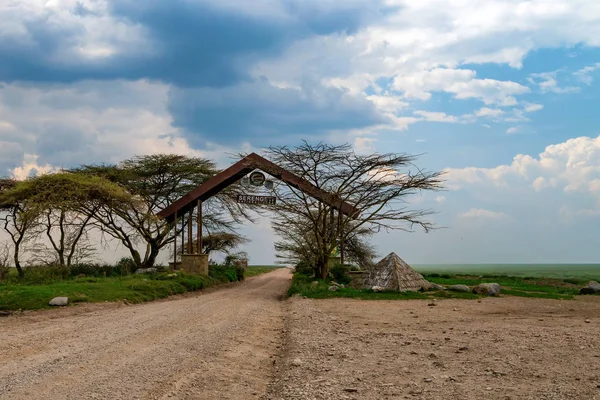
(106, 283)
(306, 285)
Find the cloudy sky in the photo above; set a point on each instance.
(502, 93)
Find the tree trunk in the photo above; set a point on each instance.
(151, 259)
(18, 263)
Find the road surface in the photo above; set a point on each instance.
(216, 345)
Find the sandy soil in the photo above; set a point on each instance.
(243, 342)
(499, 348)
(217, 345)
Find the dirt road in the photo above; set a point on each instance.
(216, 345)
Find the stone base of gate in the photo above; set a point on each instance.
(196, 264)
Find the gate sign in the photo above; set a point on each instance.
(247, 199)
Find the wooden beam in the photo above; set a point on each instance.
(247, 164)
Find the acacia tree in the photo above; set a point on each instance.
(378, 186)
(297, 244)
(156, 181)
(54, 206)
(18, 219)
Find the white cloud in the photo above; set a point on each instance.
(572, 167)
(547, 82)
(483, 214)
(489, 112)
(512, 130)
(584, 73)
(89, 122)
(532, 107)
(437, 116)
(30, 167)
(364, 145)
(440, 199)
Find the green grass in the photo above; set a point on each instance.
(303, 285)
(134, 289)
(557, 271)
(255, 270)
(511, 286)
(550, 288)
(32, 294)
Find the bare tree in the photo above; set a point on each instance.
(377, 185)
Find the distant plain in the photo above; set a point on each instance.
(557, 271)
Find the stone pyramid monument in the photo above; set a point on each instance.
(392, 273)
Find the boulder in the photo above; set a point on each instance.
(487, 289)
(146, 271)
(377, 289)
(333, 288)
(592, 287)
(5, 313)
(59, 301)
(432, 286)
(459, 288)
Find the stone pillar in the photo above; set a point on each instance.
(196, 264)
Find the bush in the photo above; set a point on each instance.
(340, 274)
(127, 266)
(223, 273)
(305, 268)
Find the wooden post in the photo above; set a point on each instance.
(341, 235)
(183, 234)
(190, 233)
(175, 243)
(199, 228)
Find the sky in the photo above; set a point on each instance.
(502, 94)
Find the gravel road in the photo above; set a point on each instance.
(216, 345)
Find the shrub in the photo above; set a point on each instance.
(340, 274)
(222, 273)
(305, 268)
(127, 266)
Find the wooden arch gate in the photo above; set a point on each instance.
(192, 260)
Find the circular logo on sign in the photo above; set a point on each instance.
(257, 178)
(245, 181)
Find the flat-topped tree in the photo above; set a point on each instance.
(156, 182)
(55, 206)
(376, 185)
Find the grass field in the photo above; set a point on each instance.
(133, 289)
(557, 271)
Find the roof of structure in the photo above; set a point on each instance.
(238, 170)
(393, 273)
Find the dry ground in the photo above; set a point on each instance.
(243, 342)
(498, 348)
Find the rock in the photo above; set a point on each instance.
(587, 321)
(314, 284)
(432, 303)
(432, 286)
(59, 301)
(296, 362)
(488, 289)
(333, 288)
(351, 390)
(5, 313)
(459, 288)
(146, 271)
(592, 287)
(377, 289)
